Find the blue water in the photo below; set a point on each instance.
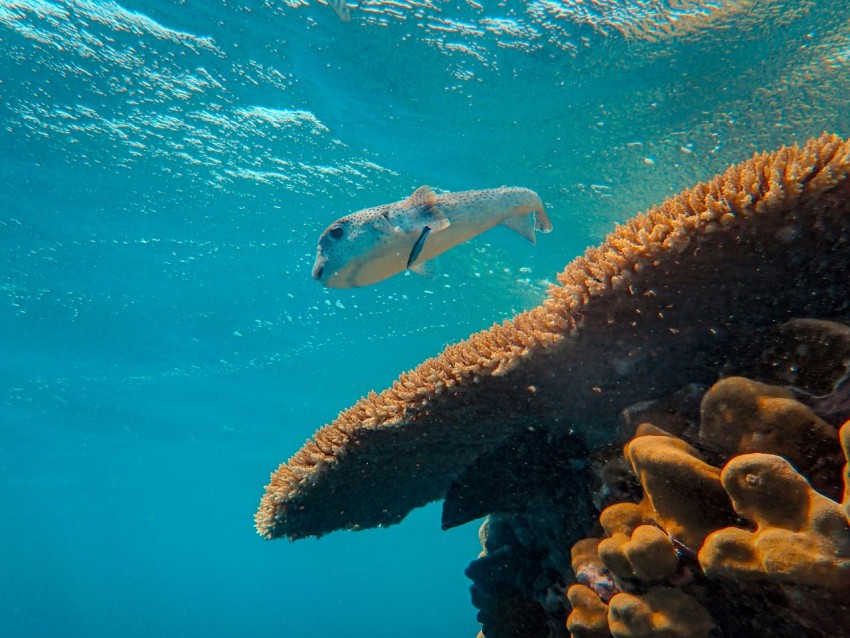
(166, 167)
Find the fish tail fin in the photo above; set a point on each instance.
(542, 221)
(527, 201)
(533, 217)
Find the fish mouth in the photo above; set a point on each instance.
(319, 268)
(328, 276)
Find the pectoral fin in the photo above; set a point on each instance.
(522, 225)
(423, 205)
(425, 269)
(386, 225)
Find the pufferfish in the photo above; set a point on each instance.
(376, 243)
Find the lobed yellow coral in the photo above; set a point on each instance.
(662, 612)
(740, 416)
(590, 616)
(685, 493)
(647, 554)
(801, 537)
(699, 529)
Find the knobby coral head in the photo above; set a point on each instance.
(707, 542)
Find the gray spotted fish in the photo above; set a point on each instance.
(376, 243)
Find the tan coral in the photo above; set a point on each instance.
(740, 416)
(651, 554)
(844, 435)
(663, 612)
(620, 521)
(683, 499)
(625, 310)
(682, 493)
(589, 618)
(801, 537)
(647, 554)
(589, 568)
(685, 493)
(630, 549)
(784, 541)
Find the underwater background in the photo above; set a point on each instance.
(166, 167)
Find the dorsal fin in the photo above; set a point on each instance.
(423, 196)
(424, 201)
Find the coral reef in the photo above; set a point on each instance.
(741, 416)
(663, 465)
(623, 325)
(801, 537)
(589, 618)
(536, 468)
(704, 542)
(661, 612)
(519, 580)
(718, 509)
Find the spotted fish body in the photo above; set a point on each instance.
(376, 243)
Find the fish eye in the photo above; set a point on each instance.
(336, 232)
